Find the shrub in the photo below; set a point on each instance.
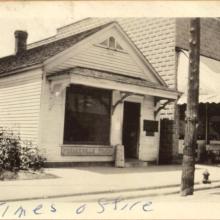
(30, 157)
(9, 150)
(16, 154)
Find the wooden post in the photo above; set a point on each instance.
(119, 156)
(188, 165)
(206, 124)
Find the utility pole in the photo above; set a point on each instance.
(190, 141)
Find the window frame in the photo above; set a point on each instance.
(87, 143)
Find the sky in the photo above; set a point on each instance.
(41, 18)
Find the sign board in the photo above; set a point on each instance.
(86, 151)
(150, 126)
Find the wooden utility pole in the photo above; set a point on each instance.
(190, 141)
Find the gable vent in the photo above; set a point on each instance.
(111, 43)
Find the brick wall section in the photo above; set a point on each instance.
(166, 132)
(210, 36)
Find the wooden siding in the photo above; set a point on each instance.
(149, 145)
(90, 54)
(20, 103)
(108, 60)
(104, 59)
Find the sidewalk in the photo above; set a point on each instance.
(153, 180)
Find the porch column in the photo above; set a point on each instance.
(116, 120)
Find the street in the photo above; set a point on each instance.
(206, 194)
(204, 204)
(108, 192)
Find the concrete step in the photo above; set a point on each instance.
(135, 163)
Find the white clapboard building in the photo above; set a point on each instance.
(77, 96)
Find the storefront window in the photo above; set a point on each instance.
(214, 121)
(87, 116)
(214, 128)
(201, 122)
(201, 130)
(182, 109)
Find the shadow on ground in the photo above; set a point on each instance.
(113, 170)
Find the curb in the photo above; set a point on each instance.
(119, 191)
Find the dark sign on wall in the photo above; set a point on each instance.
(150, 126)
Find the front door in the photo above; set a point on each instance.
(131, 123)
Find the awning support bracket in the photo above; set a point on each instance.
(121, 101)
(162, 107)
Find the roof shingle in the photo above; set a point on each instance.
(39, 54)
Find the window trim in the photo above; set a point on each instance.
(108, 143)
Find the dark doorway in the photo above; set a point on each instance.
(131, 124)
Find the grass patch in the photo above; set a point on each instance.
(25, 175)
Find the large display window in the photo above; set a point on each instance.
(87, 116)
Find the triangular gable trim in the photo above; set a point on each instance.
(62, 56)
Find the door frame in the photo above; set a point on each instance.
(139, 126)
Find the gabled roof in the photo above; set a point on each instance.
(44, 54)
(39, 54)
(61, 57)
